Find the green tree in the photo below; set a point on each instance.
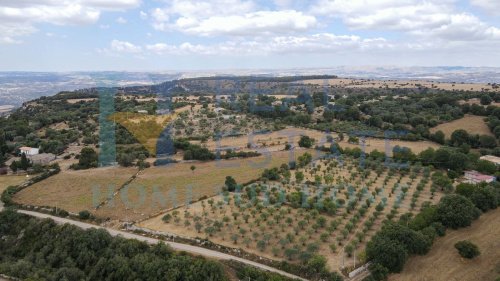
(25, 163)
(487, 141)
(306, 141)
(459, 137)
(456, 211)
(438, 137)
(87, 159)
(230, 184)
(386, 252)
(485, 99)
(299, 176)
(379, 272)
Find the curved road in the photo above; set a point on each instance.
(176, 246)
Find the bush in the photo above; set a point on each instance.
(84, 215)
(467, 249)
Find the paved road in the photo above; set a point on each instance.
(176, 246)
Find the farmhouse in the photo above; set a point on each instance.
(493, 159)
(28, 151)
(475, 177)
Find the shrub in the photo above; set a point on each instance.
(84, 215)
(166, 218)
(467, 249)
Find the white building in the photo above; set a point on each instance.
(29, 150)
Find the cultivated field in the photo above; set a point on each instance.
(400, 84)
(75, 191)
(160, 188)
(472, 124)
(355, 202)
(444, 263)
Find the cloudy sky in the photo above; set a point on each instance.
(62, 35)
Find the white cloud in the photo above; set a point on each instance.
(111, 4)
(258, 23)
(431, 18)
(229, 17)
(10, 31)
(121, 20)
(307, 44)
(143, 15)
(28, 13)
(490, 6)
(124, 47)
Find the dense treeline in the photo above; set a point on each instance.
(32, 249)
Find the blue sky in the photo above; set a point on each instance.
(64, 35)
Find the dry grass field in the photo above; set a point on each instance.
(73, 101)
(444, 263)
(276, 141)
(280, 226)
(6, 181)
(472, 124)
(160, 188)
(400, 84)
(73, 190)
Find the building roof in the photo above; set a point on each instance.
(491, 158)
(477, 175)
(25, 148)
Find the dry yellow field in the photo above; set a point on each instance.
(444, 263)
(275, 141)
(476, 101)
(400, 84)
(6, 181)
(73, 101)
(74, 190)
(145, 128)
(472, 124)
(160, 188)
